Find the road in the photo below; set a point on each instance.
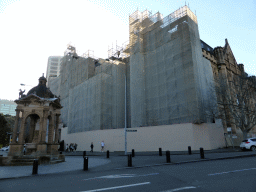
(224, 175)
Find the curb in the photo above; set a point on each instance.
(184, 162)
(135, 167)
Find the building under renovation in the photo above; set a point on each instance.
(159, 83)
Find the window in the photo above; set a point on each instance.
(53, 71)
(54, 68)
(55, 59)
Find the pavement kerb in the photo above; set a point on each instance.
(36, 175)
(183, 162)
(135, 167)
(153, 153)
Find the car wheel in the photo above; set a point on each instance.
(253, 148)
(243, 149)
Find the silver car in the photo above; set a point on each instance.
(5, 148)
(248, 144)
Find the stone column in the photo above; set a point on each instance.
(22, 130)
(57, 128)
(43, 127)
(14, 133)
(50, 130)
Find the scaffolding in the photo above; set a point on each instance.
(167, 75)
(71, 50)
(89, 53)
(142, 22)
(119, 52)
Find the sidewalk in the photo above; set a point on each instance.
(99, 162)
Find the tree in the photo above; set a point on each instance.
(236, 100)
(4, 129)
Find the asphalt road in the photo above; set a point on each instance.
(224, 175)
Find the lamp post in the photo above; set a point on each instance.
(125, 122)
(26, 85)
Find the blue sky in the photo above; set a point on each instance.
(32, 30)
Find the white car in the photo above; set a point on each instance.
(248, 144)
(5, 148)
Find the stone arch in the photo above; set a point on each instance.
(33, 113)
(31, 129)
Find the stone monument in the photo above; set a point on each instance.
(36, 133)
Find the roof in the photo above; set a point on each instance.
(206, 47)
(42, 91)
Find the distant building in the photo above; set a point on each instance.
(53, 67)
(7, 107)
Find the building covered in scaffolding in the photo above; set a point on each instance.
(159, 82)
(92, 91)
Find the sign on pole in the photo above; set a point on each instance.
(131, 130)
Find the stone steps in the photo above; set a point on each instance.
(21, 162)
(24, 157)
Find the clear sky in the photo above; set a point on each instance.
(33, 30)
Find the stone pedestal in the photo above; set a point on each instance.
(52, 149)
(30, 148)
(16, 149)
(41, 149)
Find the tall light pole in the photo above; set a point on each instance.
(125, 122)
(26, 85)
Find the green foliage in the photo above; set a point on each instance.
(6, 126)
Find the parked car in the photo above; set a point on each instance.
(248, 144)
(5, 148)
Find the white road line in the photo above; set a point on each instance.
(179, 189)
(230, 171)
(118, 187)
(120, 176)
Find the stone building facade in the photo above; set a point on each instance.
(226, 72)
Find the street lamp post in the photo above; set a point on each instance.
(26, 85)
(125, 122)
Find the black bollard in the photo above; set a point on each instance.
(160, 151)
(133, 153)
(202, 153)
(189, 150)
(35, 167)
(129, 160)
(107, 153)
(84, 153)
(85, 163)
(168, 158)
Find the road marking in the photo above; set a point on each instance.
(230, 172)
(121, 176)
(179, 189)
(118, 187)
